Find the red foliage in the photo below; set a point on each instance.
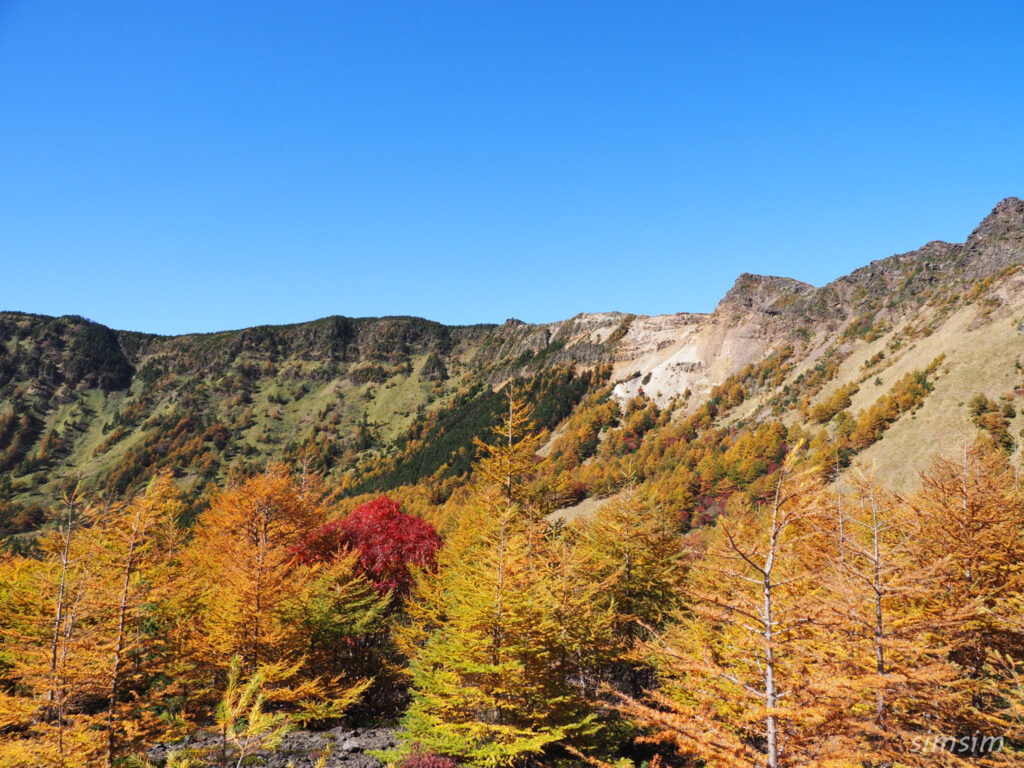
(389, 541)
(422, 758)
(320, 545)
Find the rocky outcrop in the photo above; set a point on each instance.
(760, 314)
(301, 749)
(762, 294)
(680, 353)
(998, 242)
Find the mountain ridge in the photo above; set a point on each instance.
(1004, 225)
(392, 397)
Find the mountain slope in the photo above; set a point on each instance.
(377, 403)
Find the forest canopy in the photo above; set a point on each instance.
(804, 619)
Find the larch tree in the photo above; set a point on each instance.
(54, 661)
(972, 522)
(634, 549)
(133, 553)
(245, 548)
(587, 648)
(365, 565)
(636, 546)
(1008, 669)
(880, 629)
(735, 670)
(342, 620)
(490, 682)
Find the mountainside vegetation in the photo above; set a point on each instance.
(784, 533)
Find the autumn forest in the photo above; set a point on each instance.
(816, 619)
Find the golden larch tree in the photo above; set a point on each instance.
(737, 687)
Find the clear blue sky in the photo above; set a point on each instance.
(183, 166)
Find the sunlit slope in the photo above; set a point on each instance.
(379, 403)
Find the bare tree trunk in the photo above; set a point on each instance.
(508, 479)
(261, 556)
(59, 620)
(966, 494)
(879, 624)
(498, 596)
(62, 677)
(62, 625)
(839, 505)
(770, 693)
(119, 643)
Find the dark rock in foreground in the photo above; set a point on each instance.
(301, 749)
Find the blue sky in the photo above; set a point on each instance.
(195, 166)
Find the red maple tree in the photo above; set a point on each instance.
(390, 543)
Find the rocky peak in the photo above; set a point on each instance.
(759, 292)
(1007, 217)
(998, 241)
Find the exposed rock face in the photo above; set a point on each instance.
(997, 242)
(760, 314)
(677, 353)
(302, 749)
(763, 294)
